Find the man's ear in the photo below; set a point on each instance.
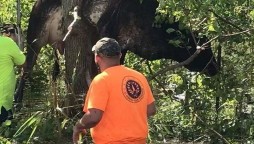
(97, 57)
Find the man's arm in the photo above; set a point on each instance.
(90, 119)
(17, 55)
(151, 109)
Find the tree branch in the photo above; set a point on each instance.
(186, 62)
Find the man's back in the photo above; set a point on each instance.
(123, 96)
(10, 53)
(9, 56)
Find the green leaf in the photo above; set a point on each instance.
(7, 123)
(176, 43)
(28, 123)
(252, 14)
(170, 30)
(211, 28)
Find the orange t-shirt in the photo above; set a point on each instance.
(123, 94)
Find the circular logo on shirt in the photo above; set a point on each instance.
(132, 89)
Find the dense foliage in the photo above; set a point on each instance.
(191, 106)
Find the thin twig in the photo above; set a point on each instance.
(227, 21)
(208, 64)
(205, 44)
(201, 22)
(159, 83)
(238, 33)
(186, 62)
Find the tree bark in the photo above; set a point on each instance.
(79, 63)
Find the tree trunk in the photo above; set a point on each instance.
(79, 60)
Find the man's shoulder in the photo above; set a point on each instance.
(4, 38)
(6, 41)
(99, 77)
(135, 72)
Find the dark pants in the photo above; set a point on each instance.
(5, 115)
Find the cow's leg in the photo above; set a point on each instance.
(31, 58)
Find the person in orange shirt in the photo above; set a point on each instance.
(118, 102)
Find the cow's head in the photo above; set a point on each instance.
(131, 23)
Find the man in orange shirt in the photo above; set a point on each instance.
(119, 100)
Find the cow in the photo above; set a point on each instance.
(130, 22)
